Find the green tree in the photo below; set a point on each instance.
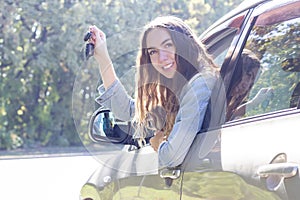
(47, 90)
(279, 52)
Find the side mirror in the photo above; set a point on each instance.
(103, 127)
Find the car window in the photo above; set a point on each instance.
(220, 39)
(274, 45)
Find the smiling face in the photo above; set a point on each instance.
(161, 50)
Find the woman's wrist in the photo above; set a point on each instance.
(104, 63)
(103, 57)
(107, 73)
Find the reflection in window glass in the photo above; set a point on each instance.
(277, 47)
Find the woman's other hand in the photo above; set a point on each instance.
(158, 138)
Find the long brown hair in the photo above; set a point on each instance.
(153, 89)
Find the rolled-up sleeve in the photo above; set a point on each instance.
(193, 105)
(117, 100)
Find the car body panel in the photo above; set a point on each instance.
(259, 143)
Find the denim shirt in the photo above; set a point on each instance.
(193, 101)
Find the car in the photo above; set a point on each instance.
(251, 156)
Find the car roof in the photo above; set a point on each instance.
(245, 5)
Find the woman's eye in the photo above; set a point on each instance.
(152, 52)
(168, 45)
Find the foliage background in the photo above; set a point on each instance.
(47, 91)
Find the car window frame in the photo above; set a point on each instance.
(216, 127)
(230, 61)
(261, 117)
(212, 37)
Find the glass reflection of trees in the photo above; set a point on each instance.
(277, 46)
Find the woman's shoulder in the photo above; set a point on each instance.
(203, 79)
(199, 85)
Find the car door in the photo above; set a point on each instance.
(256, 156)
(262, 145)
(203, 175)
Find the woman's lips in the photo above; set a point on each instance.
(168, 66)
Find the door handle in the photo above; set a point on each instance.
(170, 173)
(285, 170)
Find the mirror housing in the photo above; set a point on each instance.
(103, 127)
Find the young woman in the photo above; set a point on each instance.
(174, 80)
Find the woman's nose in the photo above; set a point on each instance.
(162, 55)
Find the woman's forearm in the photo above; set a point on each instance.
(101, 55)
(107, 71)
